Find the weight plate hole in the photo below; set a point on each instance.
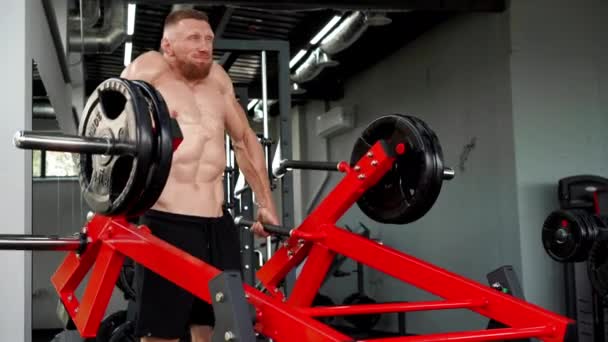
(112, 103)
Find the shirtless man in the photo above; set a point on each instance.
(189, 212)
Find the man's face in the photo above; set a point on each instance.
(193, 47)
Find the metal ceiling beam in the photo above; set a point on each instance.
(221, 27)
(385, 5)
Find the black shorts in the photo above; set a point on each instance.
(165, 310)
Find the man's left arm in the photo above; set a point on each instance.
(249, 155)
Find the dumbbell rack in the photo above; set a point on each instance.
(110, 239)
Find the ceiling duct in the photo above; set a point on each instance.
(91, 14)
(343, 36)
(312, 66)
(350, 30)
(103, 39)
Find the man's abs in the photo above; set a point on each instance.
(195, 184)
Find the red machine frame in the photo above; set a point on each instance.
(282, 317)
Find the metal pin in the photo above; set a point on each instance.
(357, 168)
(374, 163)
(361, 176)
(370, 155)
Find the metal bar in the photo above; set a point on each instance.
(265, 136)
(343, 310)
(50, 15)
(39, 243)
(312, 275)
(287, 165)
(278, 230)
(310, 165)
(479, 335)
(221, 27)
(284, 96)
(501, 307)
(276, 319)
(329, 210)
(247, 240)
(71, 143)
(99, 289)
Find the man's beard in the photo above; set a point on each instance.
(192, 71)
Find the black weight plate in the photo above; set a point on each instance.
(163, 149)
(597, 267)
(109, 325)
(116, 110)
(323, 300)
(564, 236)
(411, 187)
(431, 193)
(363, 322)
(124, 333)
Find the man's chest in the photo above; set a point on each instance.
(200, 105)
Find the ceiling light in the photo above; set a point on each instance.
(297, 58)
(128, 50)
(328, 27)
(130, 19)
(252, 103)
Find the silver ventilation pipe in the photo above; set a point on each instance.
(91, 14)
(312, 66)
(350, 30)
(106, 38)
(340, 38)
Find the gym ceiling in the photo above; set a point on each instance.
(294, 21)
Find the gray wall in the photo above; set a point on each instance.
(456, 78)
(559, 71)
(529, 88)
(15, 177)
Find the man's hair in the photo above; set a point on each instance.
(178, 15)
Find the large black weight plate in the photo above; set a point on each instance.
(124, 333)
(364, 322)
(409, 190)
(109, 325)
(323, 300)
(115, 110)
(597, 268)
(568, 236)
(163, 149)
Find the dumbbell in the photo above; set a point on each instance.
(568, 235)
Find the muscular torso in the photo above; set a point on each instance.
(195, 184)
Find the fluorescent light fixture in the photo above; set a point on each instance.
(130, 19)
(328, 27)
(252, 103)
(297, 57)
(128, 50)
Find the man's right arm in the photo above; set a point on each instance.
(147, 67)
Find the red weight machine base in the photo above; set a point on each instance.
(286, 318)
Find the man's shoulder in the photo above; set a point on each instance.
(152, 59)
(147, 66)
(220, 76)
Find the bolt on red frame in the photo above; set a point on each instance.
(319, 240)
